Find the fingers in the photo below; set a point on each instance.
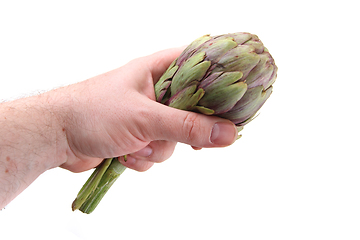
(82, 165)
(136, 164)
(155, 152)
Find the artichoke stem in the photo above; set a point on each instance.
(97, 185)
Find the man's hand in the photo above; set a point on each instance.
(110, 115)
(116, 114)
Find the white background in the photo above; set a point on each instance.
(295, 173)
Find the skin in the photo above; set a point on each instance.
(110, 115)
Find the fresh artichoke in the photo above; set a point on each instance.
(229, 76)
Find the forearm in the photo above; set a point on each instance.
(31, 142)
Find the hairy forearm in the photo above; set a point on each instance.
(31, 142)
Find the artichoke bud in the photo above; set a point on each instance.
(228, 75)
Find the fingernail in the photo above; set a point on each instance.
(223, 134)
(196, 148)
(145, 152)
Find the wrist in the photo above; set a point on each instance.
(33, 124)
(55, 118)
(31, 142)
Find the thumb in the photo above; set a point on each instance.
(191, 128)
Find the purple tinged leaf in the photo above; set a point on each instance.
(247, 107)
(209, 79)
(164, 82)
(191, 72)
(261, 74)
(256, 44)
(224, 92)
(242, 58)
(186, 99)
(240, 38)
(216, 49)
(191, 49)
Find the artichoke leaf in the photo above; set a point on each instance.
(215, 50)
(193, 70)
(164, 82)
(192, 48)
(186, 99)
(205, 110)
(248, 106)
(242, 58)
(224, 92)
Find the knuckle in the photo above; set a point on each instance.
(190, 126)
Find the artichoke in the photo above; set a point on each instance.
(228, 76)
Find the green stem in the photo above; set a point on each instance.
(98, 184)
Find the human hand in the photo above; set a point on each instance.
(115, 114)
